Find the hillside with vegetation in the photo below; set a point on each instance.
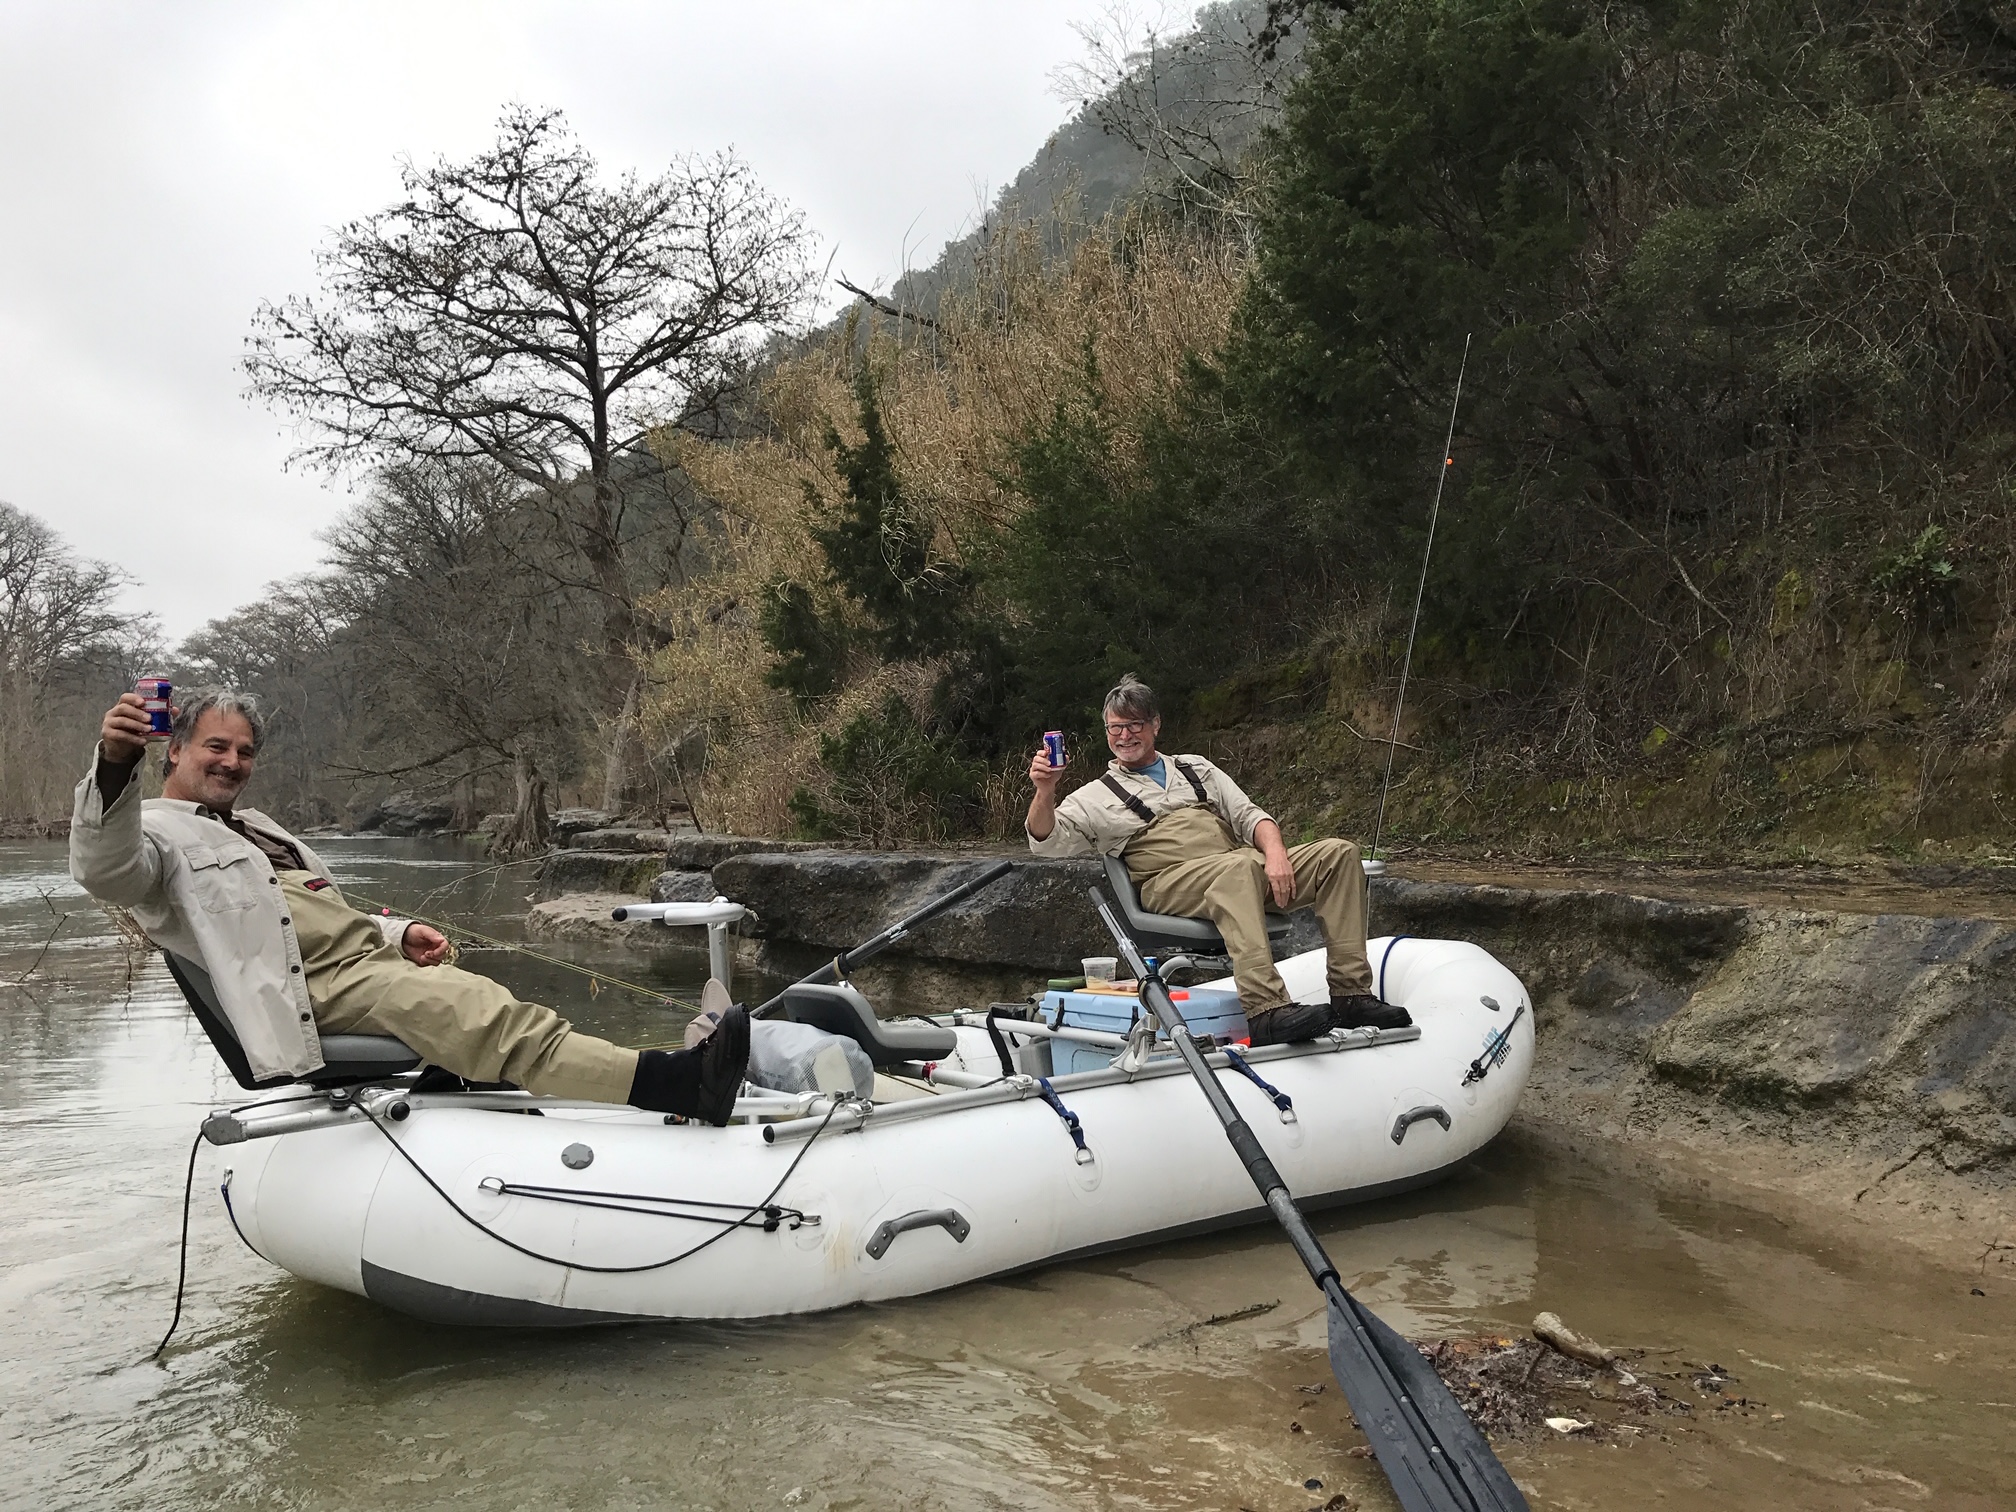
(1724, 566)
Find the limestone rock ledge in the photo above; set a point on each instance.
(628, 874)
(1863, 1059)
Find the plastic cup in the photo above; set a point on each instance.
(1099, 968)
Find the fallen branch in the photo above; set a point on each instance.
(887, 308)
(1549, 1329)
(34, 964)
(1216, 1320)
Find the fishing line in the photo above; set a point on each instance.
(1420, 590)
(494, 943)
(600, 1270)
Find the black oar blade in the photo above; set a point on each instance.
(1426, 1444)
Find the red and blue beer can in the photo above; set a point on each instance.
(155, 693)
(1053, 742)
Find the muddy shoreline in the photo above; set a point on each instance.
(1841, 1038)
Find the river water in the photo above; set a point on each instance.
(1874, 1380)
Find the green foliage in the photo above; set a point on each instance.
(1921, 574)
(1177, 557)
(810, 646)
(1694, 246)
(880, 551)
(889, 779)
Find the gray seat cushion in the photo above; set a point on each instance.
(345, 1057)
(348, 1055)
(840, 1009)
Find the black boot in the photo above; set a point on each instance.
(1361, 1010)
(698, 1083)
(1288, 1023)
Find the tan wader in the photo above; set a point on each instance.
(454, 1019)
(1189, 863)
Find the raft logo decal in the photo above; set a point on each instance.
(1497, 1045)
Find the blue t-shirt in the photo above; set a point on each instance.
(1158, 770)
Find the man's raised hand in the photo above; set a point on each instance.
(122, 735)
(1044, 775)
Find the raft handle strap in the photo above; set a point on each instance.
(1000, 1044)
(949, 1219)
(1071, 1124)
(1421, 1114)
(1283, 1103)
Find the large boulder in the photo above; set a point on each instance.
(629, 873)
(622, 838)
(1857, 1037)
(1036, 918)
(566, 823)
(587, 918)
(408, 814)
(699, 852)
(683, 887)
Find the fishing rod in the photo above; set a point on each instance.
(833, 970)
(1420, 589)
(836, 969)
(1432, 1453)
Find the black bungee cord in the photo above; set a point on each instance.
(727, 1226)
(716, 1237)
(182, 1256)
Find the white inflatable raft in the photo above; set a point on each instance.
(460, 1208)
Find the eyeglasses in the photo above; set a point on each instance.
(1130, 727)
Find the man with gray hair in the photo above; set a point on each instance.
(1196, 845)
(232, 890)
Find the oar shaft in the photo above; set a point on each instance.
(1409, 1447)
(874, 945)
(1245, 1144)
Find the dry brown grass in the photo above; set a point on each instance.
(1136, 296)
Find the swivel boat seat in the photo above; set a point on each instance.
(839, 1008)
(1168, 935)
(347, 1059)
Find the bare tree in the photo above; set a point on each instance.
(467, 659)
(1192, 98)
(289, 647)
(515, 309)
(64, 645)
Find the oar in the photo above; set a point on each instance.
(1429, 1449)
(847, 960)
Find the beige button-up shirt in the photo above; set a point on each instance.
(1094, 822)
(204, 891)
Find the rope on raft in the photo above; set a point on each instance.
(727, 1228)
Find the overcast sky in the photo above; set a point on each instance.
(165, 166)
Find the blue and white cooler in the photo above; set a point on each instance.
(1205, 1010)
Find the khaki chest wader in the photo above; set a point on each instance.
(329, 931)
(1184, 834)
